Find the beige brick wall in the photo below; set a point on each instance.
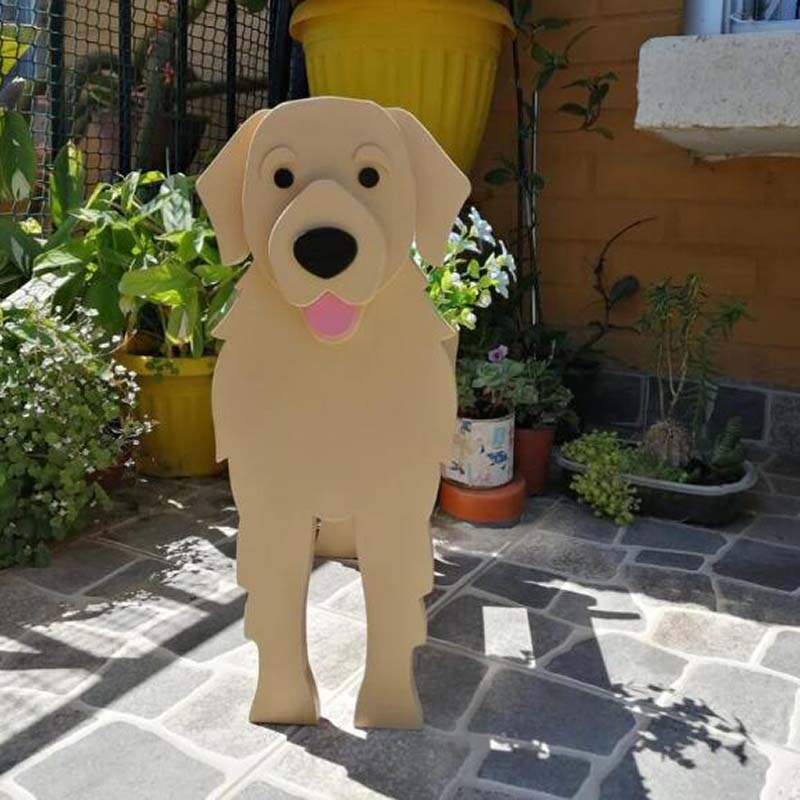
(736, 222)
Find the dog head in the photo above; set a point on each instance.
(328, 195)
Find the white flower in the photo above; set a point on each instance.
(480, 227)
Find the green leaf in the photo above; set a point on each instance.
(176, 210)
(66, 182)
(574, 109)
(18, 246)
(542, 54)
(623, 288)
(211, 274)
(551, 23)
(17, 157)
(103, 294)
(64, 258)
(604, 132)
(498, 176)
(166, 283)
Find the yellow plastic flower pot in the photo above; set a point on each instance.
(435, 58)
(175, 393)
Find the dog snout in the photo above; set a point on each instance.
(325, 252)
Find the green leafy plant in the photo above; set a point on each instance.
(23, 241)
(475, 269)
(540, 398)
(520, 170)
(487, 388)
(64, 416)
(149, 266)
(603, 484)
(687, 330)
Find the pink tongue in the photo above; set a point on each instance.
(329, 317)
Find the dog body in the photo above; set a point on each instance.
(334, 395)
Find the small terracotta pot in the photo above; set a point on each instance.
(502, 505)
(532, 447)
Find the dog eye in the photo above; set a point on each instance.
(283, 178)
(368, 177)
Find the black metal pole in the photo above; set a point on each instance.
(280, 54)
(181, 71)
(125, 86)
(58, 133)
(230, 68)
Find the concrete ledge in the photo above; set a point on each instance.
(723, 96)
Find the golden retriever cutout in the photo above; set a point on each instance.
(334, 394)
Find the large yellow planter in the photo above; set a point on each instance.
(176, 394)
(435, 58)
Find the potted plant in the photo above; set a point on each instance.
(541, 401)
(434, 58)
(148, 266)
(65, 416)
(678, 470)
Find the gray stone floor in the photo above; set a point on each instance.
(567, 658)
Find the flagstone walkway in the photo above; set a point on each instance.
(567, 658)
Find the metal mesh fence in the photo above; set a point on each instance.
(136, 84)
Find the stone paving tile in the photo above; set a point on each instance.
(144, 682)
(728, 696)
(446, 683)
(111, 761)
(536, 770)
(258, 790)
(598, 606)
(32, 721)
(523, 585)
(620, 664)
(202, 631)
(77, 566)
(340, 762)
(660, 535)
(661, 587)
(471, 793)
(173, 535)
(762, 503)
(24, 605)
(708, 634)
(784, 465)
(494, 628)
(531, 708)
(675, 759)
(783, 654)
(216, 717)
(450, 566)
(154, 586)
(336, 647)
(456, 535)
(328, 577)
(56, 657)
(776, 530)
(763, 564)
(664, 558)
(574, 520)
(351, 601)
(780, 485)
(761, 605)
(567, 555)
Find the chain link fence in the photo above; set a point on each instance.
(138, 84)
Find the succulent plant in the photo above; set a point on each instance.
(669, 442)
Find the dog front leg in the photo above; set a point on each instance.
(275, 554)
(396, 561)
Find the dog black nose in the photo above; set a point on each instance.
(325, 252)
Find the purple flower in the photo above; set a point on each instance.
(498, 354)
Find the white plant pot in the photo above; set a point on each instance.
(483, 453)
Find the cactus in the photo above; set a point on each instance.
(727, 455)
(669, 442)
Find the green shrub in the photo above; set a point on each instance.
(63, 417)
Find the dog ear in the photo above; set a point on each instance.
(220, 188)
(442, 187)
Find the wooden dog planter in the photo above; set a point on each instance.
(334, 395)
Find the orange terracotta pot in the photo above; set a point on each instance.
(502, 505)
(532, 447)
